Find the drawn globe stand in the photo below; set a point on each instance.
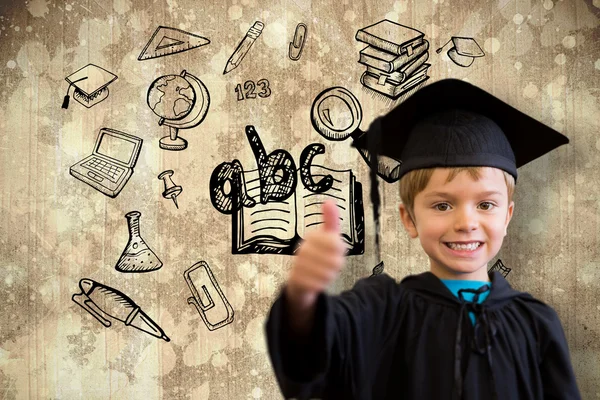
(181, 102)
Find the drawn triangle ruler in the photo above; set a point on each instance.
(166, 41)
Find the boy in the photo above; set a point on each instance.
(453, 332)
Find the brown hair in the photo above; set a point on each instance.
(416, 181)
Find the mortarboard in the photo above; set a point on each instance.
(452, 123)
(91, 85)
(463, 50)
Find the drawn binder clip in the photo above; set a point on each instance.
(213, 307)
(297, 44)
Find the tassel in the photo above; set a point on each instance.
(374, 144)
(65, 103)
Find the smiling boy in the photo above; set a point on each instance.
(453, 332)
(460, 217)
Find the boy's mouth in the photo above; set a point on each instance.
(464, 246)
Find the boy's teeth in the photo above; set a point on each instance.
(470, 246)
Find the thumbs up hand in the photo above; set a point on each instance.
(318, 261)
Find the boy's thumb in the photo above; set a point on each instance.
(331, 216)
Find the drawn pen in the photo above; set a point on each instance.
(102, 301)
(244, 46)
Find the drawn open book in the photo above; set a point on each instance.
(277, 227)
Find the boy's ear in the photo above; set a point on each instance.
(509, 214)
(407, 221)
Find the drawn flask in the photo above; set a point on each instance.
(137, 256)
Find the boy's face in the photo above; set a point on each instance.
(463, 211)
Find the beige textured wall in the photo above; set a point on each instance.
(543, 56)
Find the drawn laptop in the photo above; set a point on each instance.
(111, 164)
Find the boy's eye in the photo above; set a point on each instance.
(443, 205)
(486, 206)
(489, 205)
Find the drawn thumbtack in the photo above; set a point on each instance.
(171, 189)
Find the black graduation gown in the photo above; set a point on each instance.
(414, 340)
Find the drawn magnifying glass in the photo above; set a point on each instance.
(336, 114)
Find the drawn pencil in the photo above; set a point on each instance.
(244, 46)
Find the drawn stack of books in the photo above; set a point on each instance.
(395, 58)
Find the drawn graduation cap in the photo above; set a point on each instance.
(91, 85)
(464, 50)
(452, 123)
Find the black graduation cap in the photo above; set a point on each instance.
(452, 123)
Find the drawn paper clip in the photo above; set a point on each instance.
(200, 273)
(297, 44)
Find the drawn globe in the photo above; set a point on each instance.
(171, 97)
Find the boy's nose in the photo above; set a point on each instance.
(466, 221)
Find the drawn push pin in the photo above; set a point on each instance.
(171, 189)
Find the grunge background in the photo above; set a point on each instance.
(543, 56)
